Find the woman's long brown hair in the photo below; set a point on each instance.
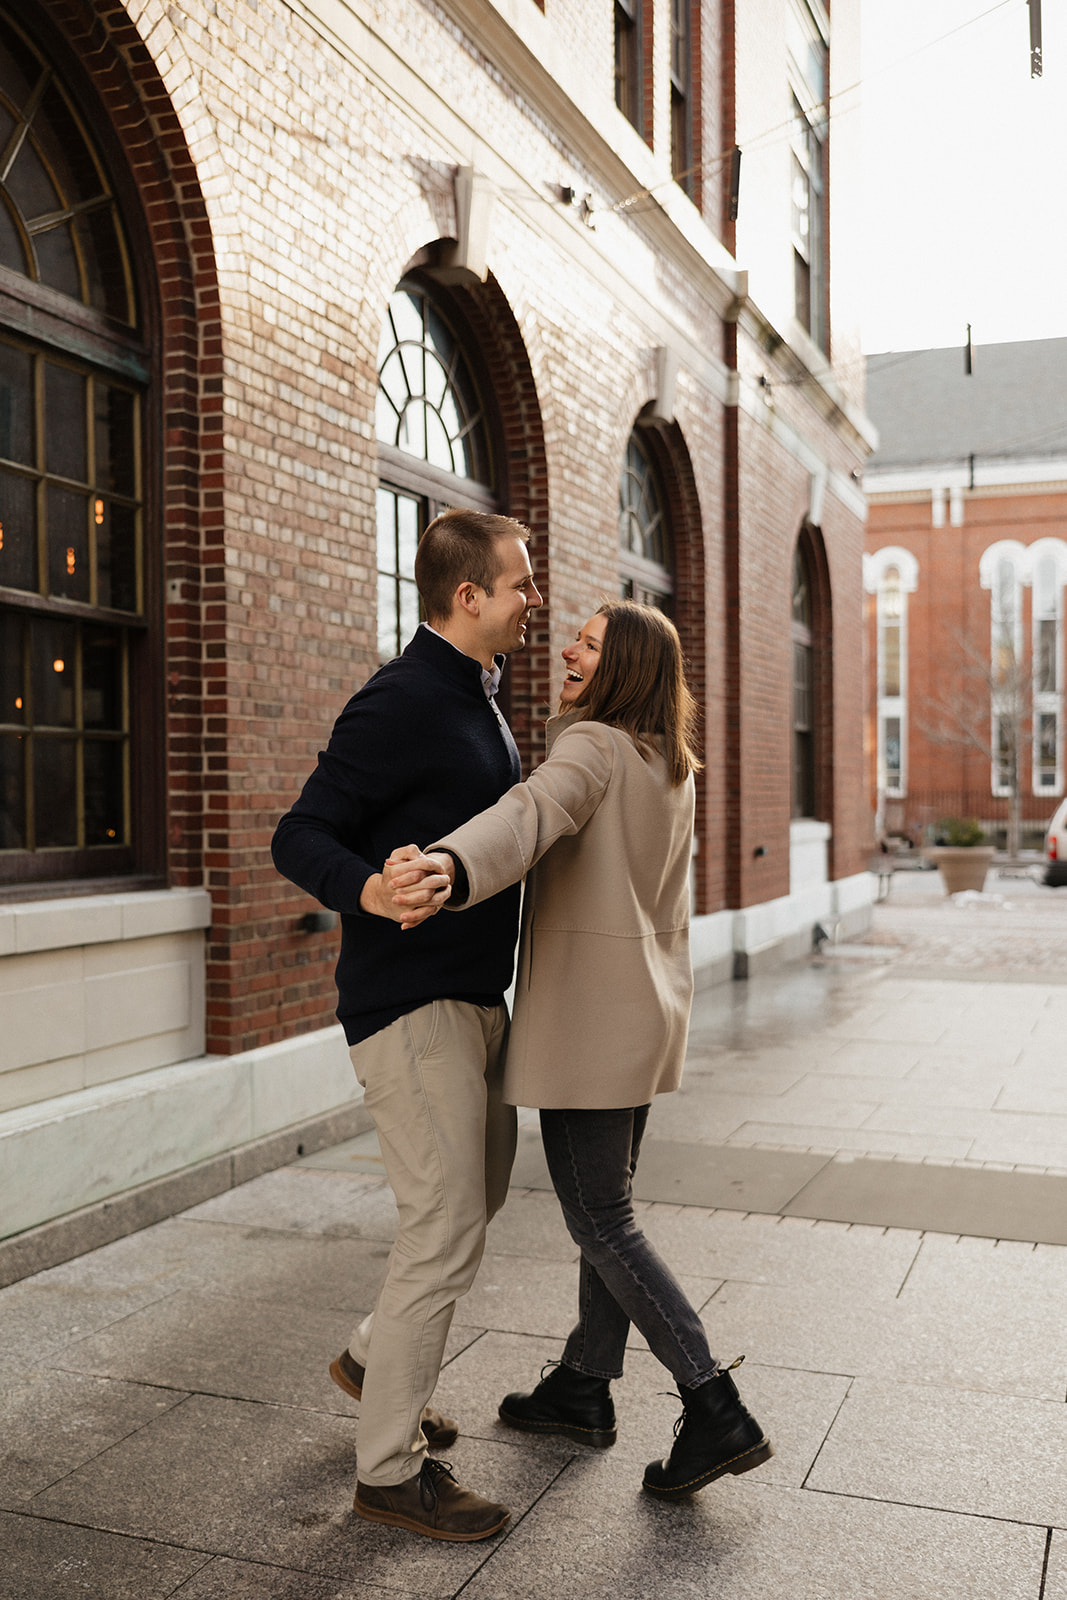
(639, 685)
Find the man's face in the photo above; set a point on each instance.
(503, 615)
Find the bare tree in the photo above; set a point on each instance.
(990, 710)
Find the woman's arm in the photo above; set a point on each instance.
(500, 845)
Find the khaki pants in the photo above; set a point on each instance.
(432, 1081)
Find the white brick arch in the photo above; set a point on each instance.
(877, 565)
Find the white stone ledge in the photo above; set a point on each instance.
(756, 929)
(62, 1154)
(65, 924)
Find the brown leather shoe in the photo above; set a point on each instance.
(348, 1375)
(432, 1503)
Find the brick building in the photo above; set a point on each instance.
(965, 572)
(277, 281)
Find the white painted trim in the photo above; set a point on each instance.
(761, 927)
(891, 555)
(61, 1154)
(1049, 471)
(64, 924)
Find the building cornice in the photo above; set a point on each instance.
(984, 479)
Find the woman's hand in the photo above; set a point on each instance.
(417, 885)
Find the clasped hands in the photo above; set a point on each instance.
(411, 886)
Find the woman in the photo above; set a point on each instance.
(604, 831)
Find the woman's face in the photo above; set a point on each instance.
(582, 658)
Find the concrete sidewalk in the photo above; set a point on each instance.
(170, 1429)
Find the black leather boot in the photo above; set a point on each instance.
(715, 1435)
(566, 1402)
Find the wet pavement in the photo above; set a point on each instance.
(862, 1184)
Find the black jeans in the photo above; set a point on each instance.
(592, 1156)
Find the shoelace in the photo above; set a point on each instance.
(669, 1394)
(432, 1471)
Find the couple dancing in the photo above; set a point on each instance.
(603, 828)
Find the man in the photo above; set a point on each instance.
(419, 749)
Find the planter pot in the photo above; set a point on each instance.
(961, 866)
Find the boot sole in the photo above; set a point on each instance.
(338, 1376)
(595, 1438)
(743, 1463)
(398, 1520)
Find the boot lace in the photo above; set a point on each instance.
(432, 1472)
(670, 1394)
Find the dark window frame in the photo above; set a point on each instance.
(643, 575)
(803, 785)
(629, 62)
(681, 77)
(57, 325)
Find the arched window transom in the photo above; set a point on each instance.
(59, 222)
(73, 618)
(433, 446)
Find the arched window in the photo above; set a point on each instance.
(73, 616)
(433, 446)
(1026, 697)
(1007, 683)
(1047, 676)
(891, 575)
(646, 555)
(803, 689)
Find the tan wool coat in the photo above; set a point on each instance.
(605, 984)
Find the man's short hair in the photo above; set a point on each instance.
(460, 547)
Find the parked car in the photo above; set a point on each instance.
(1056, 849)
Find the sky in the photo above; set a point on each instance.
(965, 173)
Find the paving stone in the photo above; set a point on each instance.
(531, 1225)
(967, 1092)
(772, 1249)
(215, 1344)
(43, 1560)
(41, 1316)
(263, 1263)
(267, 1484)
(52, 1422)
(864, 1141)
(211, 1344)
(998, 1204)
(292, 1198)
(511, 1295)
(921, 1445)
(956, 1273)
(883, 1059)
(1016, 1348)
(222, 1579)
(592, 1536)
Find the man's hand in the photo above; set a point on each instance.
(410, 887)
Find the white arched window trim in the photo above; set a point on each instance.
(892, 712)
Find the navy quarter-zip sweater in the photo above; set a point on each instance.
(415, 752)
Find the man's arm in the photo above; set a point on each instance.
(317, 844)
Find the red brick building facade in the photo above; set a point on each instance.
(292, 277)
(966, 568)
